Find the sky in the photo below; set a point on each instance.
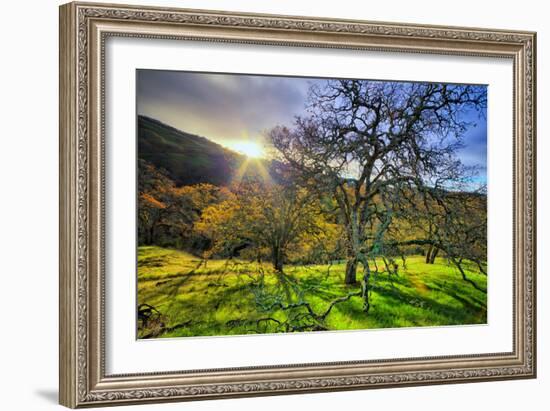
(234, 110)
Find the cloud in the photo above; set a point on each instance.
(228, 108)
(221, 107)
(474, 152)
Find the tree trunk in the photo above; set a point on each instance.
(433, 255)
(278, 265)
(366, 287)
(150, 235)
(351, 271)
(429, 254)
(365, 283)
(277, 260)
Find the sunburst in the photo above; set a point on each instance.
(250, 149)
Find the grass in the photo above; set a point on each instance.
(227, 297)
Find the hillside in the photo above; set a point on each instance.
(189, 159)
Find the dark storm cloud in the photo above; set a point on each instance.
(217, 106)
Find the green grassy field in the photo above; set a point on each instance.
(186, 298)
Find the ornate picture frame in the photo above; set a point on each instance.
(84, 30)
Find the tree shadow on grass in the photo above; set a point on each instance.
(205, 307)
(396, 302)
(451, 313)
(461, 292)
(194, 314)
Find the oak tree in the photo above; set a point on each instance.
(369, 144)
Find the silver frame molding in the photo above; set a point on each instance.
(84, 28)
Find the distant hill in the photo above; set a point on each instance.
(189, 159)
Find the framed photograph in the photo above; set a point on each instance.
(258, 204)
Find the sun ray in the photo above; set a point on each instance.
(255, 167)
(239, 174)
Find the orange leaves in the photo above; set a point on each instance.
(149, 201)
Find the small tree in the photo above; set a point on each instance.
(267, 218)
